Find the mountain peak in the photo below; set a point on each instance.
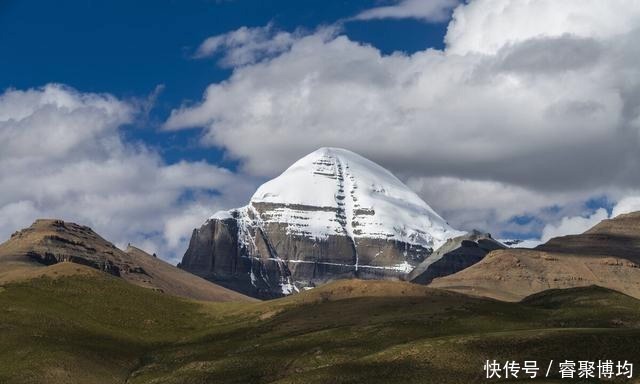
(372, 201)
(332, 214)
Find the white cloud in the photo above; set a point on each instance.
(573, 225)
(531, 104)
(578, 224)
(490, 205)
(428, 10)
(61, 155)
(246, 45)
(486, 26)
(626, 205)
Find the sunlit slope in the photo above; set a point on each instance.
(607, 255)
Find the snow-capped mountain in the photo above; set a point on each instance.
(358, 198)
(332, 214)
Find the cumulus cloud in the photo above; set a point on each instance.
(486, 26)
(428, 10)
(536, 104)
(62, 156)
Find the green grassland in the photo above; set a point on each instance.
(99, 329)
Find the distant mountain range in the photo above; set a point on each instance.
(336, 215)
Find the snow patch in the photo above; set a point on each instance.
(253, 278)
(288, 287)
(404, 267)
(221, 215)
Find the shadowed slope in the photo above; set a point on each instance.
(455, 255)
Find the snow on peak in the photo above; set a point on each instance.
(336, 191)
(221, 215)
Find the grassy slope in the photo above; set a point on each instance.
(97, 329)
(85, 328)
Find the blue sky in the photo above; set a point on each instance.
(128, 48)
(518, 118)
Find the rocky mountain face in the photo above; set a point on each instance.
(455, 255)
(45, 243)
(333, 214)
(607, 255)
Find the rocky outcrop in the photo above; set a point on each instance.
(608, 255)
(331, 215)
(265, 261)
(455, 255)
(219, 237)
(51, 242)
